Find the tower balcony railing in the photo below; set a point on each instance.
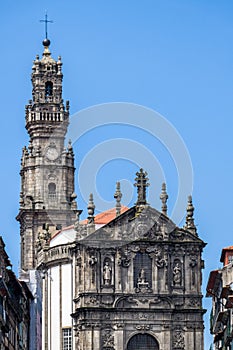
(56, 116)
(45, 116)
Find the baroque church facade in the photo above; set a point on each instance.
(131, 280)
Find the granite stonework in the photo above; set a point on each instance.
(133, 283)
(47, 167)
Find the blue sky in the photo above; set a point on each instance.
(173, 56)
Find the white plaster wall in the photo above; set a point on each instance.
(54, 309)
(63, 237)
(66, 295)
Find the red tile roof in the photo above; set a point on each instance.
(224, 250)
(106, 216)
(100, 219)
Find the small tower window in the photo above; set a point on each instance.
(48, 88)
(52, 190)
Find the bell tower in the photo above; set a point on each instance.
(47, 167)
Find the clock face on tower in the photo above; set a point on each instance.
(51, 153)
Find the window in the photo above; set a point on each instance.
(66, 339)
(52, 190)
(48, 88)
(230, 259)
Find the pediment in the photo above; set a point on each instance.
(148, 225)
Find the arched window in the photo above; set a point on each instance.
(48, 88)
(142, 271)
(52, 190)
(143, 342)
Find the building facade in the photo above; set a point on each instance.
(220, 289)
(15, 299)
(131, 281)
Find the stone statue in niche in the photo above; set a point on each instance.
(107, 273)
(141, 282)
(177, 274)
(142, 275)
(92, 263)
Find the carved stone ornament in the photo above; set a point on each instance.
(108, 339)
(194, 302)
(92, 261)
(155, 233)
(193, 261)
(43, 238)
(142, 316)
(141, 229)
(81, 230)
(193, 251)
(177, 235)
(135, 248)
(79, 261)
(143, 327)
(179, 249)
(178, 317)
(93, 300)
(125, 258)
(178, 339)
(157, 253)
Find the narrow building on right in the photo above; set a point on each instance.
(220, 289)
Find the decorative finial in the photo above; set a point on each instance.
(118, 196)
(141, 184)
(69, 145)
(30, 147)
(46, 41)
(91, 210)
(189, 217)
(73, 201)
(164, 198)
(70, 148)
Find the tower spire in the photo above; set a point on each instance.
(91, 217)
(91, 210)
(164, 198)
(189, 217)
(47, 172)
(118, 196)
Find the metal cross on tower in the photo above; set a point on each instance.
(46, 21)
